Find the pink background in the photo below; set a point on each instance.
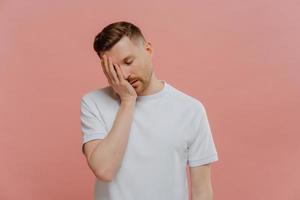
(240, 58)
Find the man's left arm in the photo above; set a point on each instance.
(201, 182)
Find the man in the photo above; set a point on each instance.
(140, 133)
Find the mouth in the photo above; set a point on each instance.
(135, 84)
(132, 82)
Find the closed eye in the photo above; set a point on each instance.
(128, 63)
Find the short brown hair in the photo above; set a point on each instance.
(112, 33)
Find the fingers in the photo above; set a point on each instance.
(122, 72)
(119, 73)
(111, 70)
(104, 64)
(108, 69)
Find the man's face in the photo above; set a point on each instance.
(135, 60)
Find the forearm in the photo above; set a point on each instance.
(203, 195)
(107, 156)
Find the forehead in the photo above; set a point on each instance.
(123, 48)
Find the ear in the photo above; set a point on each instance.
(148, 48)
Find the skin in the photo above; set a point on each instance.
(120, 71)
(201, 185)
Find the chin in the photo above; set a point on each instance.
(139, 90)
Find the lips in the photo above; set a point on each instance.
(133, 82)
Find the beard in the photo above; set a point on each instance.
(143, 83)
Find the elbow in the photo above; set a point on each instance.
(104, 176)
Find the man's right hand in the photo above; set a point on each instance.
(115, 77)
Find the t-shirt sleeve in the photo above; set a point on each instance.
(92, 126)
(201, 147)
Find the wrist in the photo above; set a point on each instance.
(128, 101)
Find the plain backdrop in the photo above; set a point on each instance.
(239, 58)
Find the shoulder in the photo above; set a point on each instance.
(183, 98)
(99, 95)
(95, 93)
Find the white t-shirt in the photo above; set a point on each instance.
(169, 130)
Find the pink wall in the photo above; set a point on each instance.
(240, 58)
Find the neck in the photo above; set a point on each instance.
(154, 86)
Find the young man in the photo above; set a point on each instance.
(140, 133)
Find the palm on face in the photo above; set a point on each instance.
(116, 79)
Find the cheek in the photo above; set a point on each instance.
(144, 65)
(139, 66)
(142, 68)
